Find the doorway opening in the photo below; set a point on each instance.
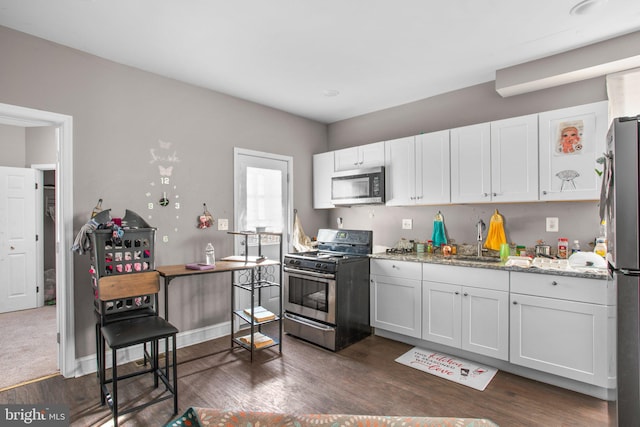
(263, 197)
(63, 212)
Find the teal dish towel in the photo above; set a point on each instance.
(438, 235)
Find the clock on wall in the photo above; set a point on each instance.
(163, 199)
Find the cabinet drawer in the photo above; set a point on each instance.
(404, 269)
(592, 291)
(467, 276)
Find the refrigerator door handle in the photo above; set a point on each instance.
(627, 272)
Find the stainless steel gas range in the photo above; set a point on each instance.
(326, 292)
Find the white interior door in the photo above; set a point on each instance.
(263, 199)
(18, 286)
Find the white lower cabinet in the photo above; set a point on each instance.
(556, 324)
(467, 317)
(563, 326)
(396, 296)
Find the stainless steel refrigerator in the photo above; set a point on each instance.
(619, 207)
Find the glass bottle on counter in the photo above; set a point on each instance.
(209, 255)
(576, 246)
(430, 246)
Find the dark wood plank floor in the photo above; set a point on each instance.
(361, 379)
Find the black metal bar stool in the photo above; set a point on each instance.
(133, 331)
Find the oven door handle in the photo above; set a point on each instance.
(308, 322)
(310, 273)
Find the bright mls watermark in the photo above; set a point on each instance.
(34, 415)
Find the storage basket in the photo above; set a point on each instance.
(120, 308)
(132, 253)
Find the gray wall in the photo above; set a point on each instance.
(119, 115)
(524, 223)
(12, 143)
(41, 146)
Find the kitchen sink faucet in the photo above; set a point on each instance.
(480, 228)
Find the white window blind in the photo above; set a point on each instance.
(264, 199)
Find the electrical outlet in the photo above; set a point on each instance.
(407, 224)
(553, 224)
(223, 224)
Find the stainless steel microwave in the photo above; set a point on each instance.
(358, 187)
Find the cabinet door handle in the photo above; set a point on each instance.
(544, 192)
(465, 294)
(554, 283)
(485, 194)
(515, 303)
(394, 266)
(457, 293)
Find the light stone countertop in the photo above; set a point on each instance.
(592, 273)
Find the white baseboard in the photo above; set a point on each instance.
(87, 364)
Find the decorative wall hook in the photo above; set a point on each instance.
(205, 220)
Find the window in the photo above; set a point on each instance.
(264, 199)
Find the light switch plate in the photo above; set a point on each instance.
(407, 224)
(223, 224)
(553, 224)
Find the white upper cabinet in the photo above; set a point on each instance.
(547, 156)
(471, 164)
(417, 170)
(400, 164)
(433, 176)
(514, 159)
(495, 162)
(363, 156)
(571, 140)
(322, 171)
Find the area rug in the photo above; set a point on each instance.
(28, 347)
(197, 417)
(451, 368)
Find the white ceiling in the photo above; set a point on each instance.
(286, 53)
